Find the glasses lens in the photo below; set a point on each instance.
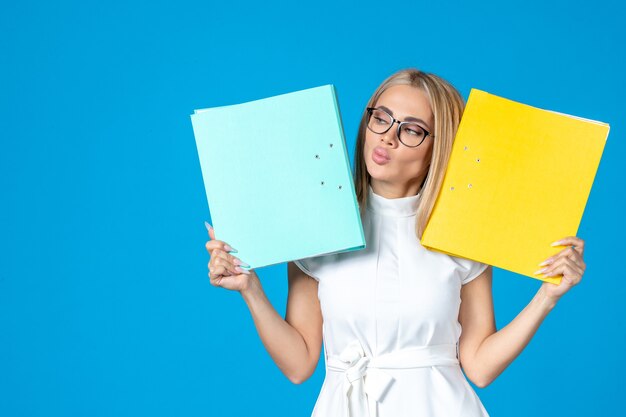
(379, 121)
(412, 134)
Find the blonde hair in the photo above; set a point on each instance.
(447, 107)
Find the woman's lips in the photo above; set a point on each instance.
(380, 156)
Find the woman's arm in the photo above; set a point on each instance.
(296, 342)
(484, 352)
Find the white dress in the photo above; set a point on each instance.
(391, 325)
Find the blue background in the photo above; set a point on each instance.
(105, 304)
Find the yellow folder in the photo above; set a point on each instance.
(518, 179)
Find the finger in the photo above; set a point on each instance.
(577, 243)
(576, 269)
(233, 264)
(228, 266)
(216, 272)
(554, 267)
(220, 253)
(222, 269)
(563, 266)
(574, 257)
(569, 272)
(568, 252)
(211, 245)
(227, 261)
(209, 229)
(575, 253)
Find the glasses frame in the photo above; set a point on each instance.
(394, 121)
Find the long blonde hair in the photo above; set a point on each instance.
(447, 107)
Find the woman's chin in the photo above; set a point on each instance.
(379, 173)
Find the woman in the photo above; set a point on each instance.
(400, 324)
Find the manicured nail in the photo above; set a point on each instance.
(229, 248)
(540, 271)
(243, 271)
(546, 262)
(557, 243)
(240, 262)
(208, 226)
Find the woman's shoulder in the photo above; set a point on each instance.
(468, 268)
(316, 266)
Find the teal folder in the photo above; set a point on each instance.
(277, 177)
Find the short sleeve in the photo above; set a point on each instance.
(307, 266)
(474, 269)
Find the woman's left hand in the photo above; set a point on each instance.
(569, 263)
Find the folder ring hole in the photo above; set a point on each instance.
(317, 157)
(322, 182)
(340, 187)
(452, 188)
(331, 145)
(465, 148)
(469, 185)
(477, 159)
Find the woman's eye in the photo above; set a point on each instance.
(415, 132)
(379, 120)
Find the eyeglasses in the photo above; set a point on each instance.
(410, 134)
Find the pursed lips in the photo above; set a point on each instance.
(381, 152)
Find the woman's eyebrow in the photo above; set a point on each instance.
(406, 119)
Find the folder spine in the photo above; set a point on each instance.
(347, 158)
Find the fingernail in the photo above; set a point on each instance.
(540, 271)
(242, 263)
(243, 271)
(208, 226)
(229, 248)
(546, 262)
(557, 243)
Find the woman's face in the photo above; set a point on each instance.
(404, 171)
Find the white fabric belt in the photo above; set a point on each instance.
(366, 382)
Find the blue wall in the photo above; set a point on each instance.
(105, 304)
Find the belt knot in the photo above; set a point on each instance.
(366, 382)
(364, 386)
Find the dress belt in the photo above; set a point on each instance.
(366, 382)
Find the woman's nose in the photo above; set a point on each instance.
(390, 135)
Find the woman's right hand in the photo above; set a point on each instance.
(224, 269)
